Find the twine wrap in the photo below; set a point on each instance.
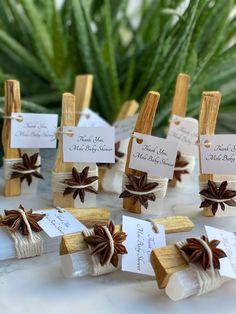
(230, 186)
(191, 163)
(97, 269)
(207, 280)
(27, 246)
(8, 167)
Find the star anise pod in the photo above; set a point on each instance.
(28, 163)
(14, 220)
(221, 194)
(198, 254)
(118, 154)
(139, 185)
(101, 244)
(80, 179)
(180, 163)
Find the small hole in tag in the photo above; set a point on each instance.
(70, 133)
(139, 140)
(207, 143)
(60, 210)
(87, 116)
(177, 122)
(19, 119)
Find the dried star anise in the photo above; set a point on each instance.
(28, 163)
(118, 154)
(139, 185)
(221, 194)
(14, 220)
(198, 254)
(101, 244)
(80, 179)
(180, 163)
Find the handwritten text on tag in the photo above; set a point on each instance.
(33, 130)
(228, 245)
(88, 144)
(218, 154)
(124, 128)
(59, 222)
(141, 240)
(153, 155)
(184, 131)
(90, 118)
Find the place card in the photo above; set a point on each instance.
(33, 130)
(90, 118)
(228, 245)
(124, 128)
(59, 222)
(184, 131)
(218, 154)
(89, 144)
(153, 155)
(139, 243)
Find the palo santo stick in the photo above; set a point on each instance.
(128, 109)
(143, 125)
(75, 242)
(12, 104)
(82, 92)
(166, 261)
(207, 122)
(67, 119)
(179, 105)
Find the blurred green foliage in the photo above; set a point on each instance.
(46, 46)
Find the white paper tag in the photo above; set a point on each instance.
(124, 128)
(89, 144)
(36, 130)
(220, 157)
(59, 222)
(184, 131)
(90, 118)
(228, 245)
(140, 241)
(154, 155)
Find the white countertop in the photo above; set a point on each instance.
(37, 285)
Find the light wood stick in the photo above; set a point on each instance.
(207, 122)
(12, 104)
(75, 242)
(67, 119)
(166, 261)
(82, 91)
(143, 125)
(179, 105)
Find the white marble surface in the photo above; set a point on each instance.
(37, 285)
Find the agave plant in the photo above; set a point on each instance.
(45, 46)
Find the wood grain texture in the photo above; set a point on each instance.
(67, 119)
(12, 104)
(75, 242)
(179, 106)
(166, 261)
(143, 125)
(83, 92)
(207, 122)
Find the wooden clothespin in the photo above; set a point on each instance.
(67, 119)
(82, 91)
(207, 122)
(179, 105)
(12, 104)
(143, 125)
(128, 109)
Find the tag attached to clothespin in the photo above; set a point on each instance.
(139, 243)
(89, 118)
(124, 128)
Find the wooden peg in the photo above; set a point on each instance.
(73, 243)
(12, 104)
(207, 122)
(143, 125)
(166, 261)
(67, 119)
(82, 91)
(179, 105)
